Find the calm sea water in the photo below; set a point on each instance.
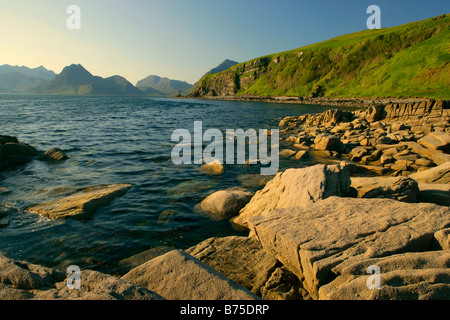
(119, 140)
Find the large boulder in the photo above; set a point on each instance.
(177, 275)
(81, 204)
(326, 141)
(312, 241)
(240, 259)
(226, 203)
(297, 187)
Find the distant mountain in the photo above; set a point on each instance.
(39, 72)
(226, 64)
(158, 86)
(75, 79)
(20, 83)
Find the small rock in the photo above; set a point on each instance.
(302, 154)
(214, 168)
(287, 153)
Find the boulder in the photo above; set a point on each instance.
(297, 187)
(326, 141)
(81, 204)
(17, 153)
(240, 259)
(439, 174)
(436, 141)
(398, 188)
(312, 241)
(54, 154)
(226, 203)
(407, 276)
(177, 275)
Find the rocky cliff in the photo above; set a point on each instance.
(404, 61)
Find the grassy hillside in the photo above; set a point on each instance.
(411, 60)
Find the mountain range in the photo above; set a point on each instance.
(76, 80)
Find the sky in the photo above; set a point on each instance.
(182, 39)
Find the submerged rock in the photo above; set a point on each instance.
(214, 167)
(81, 204)
(54, 154)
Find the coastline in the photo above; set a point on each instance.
(407, 236)
(336, 102)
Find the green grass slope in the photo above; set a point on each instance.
(411, 60)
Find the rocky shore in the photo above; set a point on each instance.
(378, 201)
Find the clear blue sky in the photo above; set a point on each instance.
(182, 39)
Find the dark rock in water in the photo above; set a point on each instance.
(8, 139)
(17, 153)
(54, 154)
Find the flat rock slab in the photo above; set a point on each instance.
(81, 204)
(439, 174)
(311, 241)
(407, 276)
(177, 275)
(297, 187)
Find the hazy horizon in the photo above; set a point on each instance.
(181, 39)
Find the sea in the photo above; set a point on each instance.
(111, 140)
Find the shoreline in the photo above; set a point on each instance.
(405, 144)
(337, 102)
